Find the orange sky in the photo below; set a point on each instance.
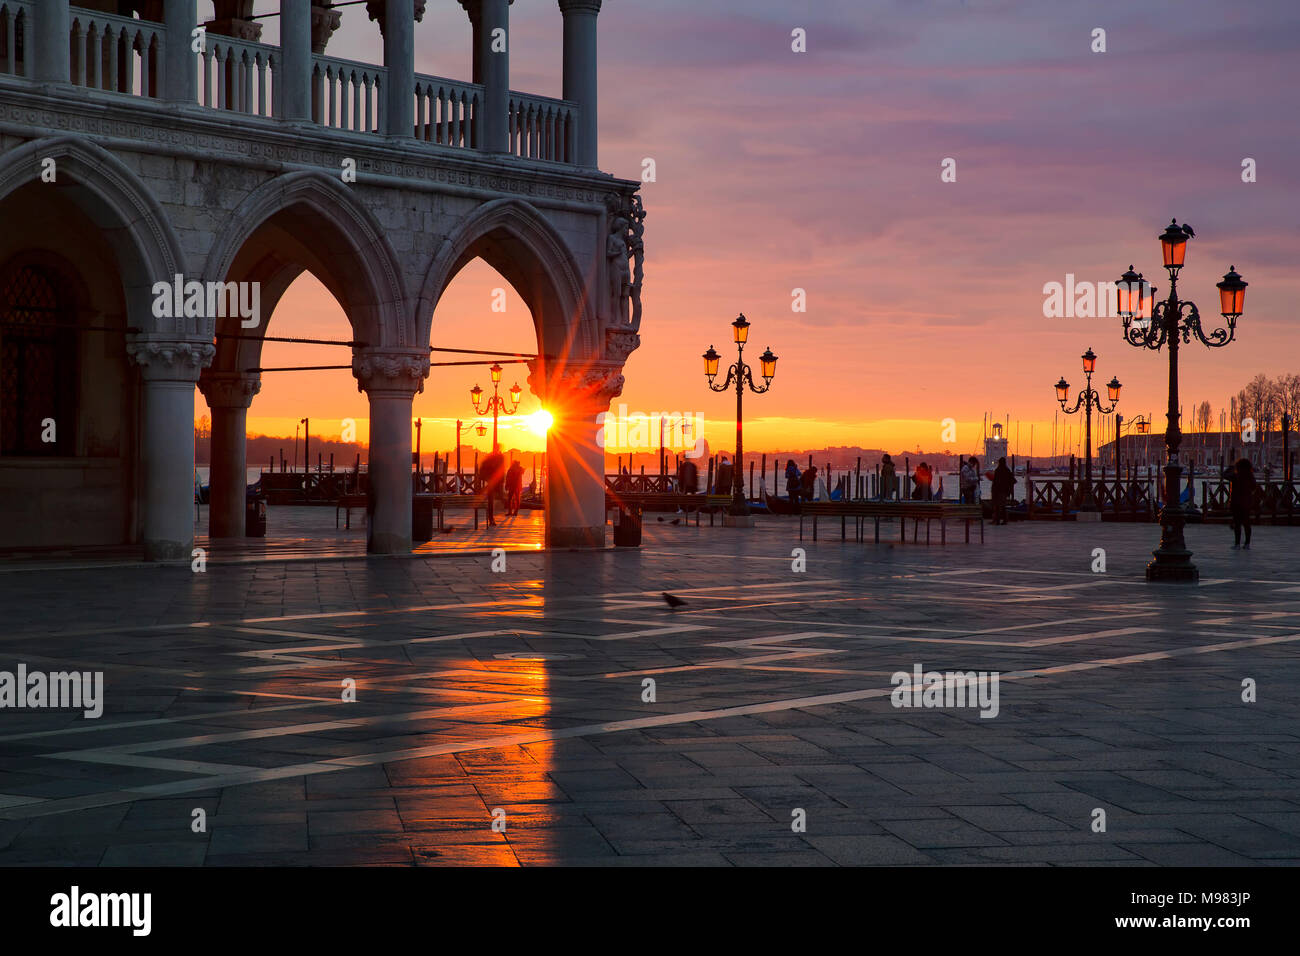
(820, 171)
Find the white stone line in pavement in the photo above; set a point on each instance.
(150, 763)
(640, 723)
(93, 726)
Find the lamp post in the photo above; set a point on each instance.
(741, 374)
(1152, 328)
(419, 426)
(496, 404)
(1088, 400)
(1140, 425)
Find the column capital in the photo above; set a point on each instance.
(171, 360)
(397, 373)
(229, 389)
(378, 10)
(579, 6)
(588, 388)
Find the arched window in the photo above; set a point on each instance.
(38, 364)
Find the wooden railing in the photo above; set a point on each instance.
(239, 75)
(348, 95)
(1278, 501)
(115, 54)
(641, 484)
(542, 128)
(427, 483)
(15, 33)
(447, 112)
(1133, 499)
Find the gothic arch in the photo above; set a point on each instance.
(515, 239)
(117, 202)
(337, 239)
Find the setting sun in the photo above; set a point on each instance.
(540, 421)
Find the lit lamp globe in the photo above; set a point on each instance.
(1173, 245)
(1112, 389)
(1062, 390)
(1232, 295)
(1089, 362)
(740, 329)
(711, 359)
(768, 361)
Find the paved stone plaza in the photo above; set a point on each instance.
(523, 690)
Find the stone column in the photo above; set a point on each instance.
(399, 58)
(170, 370)
(580, 72)
(575, 457)
(228, 394)
(495, 66)
(295, 53)
(180, 68)
(391, 378)
(50, 56)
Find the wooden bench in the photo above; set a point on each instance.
(347, 502)
(918, 511)
(670, 502)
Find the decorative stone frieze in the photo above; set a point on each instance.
(227, 390)
(390, 371)
(171, 360)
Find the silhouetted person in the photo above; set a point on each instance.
(688, 477)
(1004, 485)
(888, 478)
(924, 483)
(491, 471)
(725, 479)
(969, 480)
(514, 487)
(808, 484)
(792, 485)
(1241, 501)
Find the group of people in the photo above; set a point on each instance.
(500, 481)
(800, 485)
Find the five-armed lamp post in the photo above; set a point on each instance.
(1165, 324)
(1088, 400)
(496, 404)
(741, 374)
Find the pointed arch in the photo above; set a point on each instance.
(515, 239)
(118, 203)
(333, 235)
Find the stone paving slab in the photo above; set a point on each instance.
(770, 739)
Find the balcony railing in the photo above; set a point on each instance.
(239, 75)
(542, 128)
(15, 24)
(348, 95)
(124, 56)
(115, 54)
(447, 112)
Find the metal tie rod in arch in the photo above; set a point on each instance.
(506, 358)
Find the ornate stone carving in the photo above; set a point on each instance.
(163, 360)
(377, 9)
(625, 257)
(579, 6)
(591, 387)
(620, 343)
(324, 22)
(390, 371)
(231, 19)
(226, 390)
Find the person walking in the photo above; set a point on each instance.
(1241, 500)
(1004, 484)
(888, 478)
(792, 483)
(514, 487)
(491, 473)
(724, 478)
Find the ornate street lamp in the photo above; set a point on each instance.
(1172, 320)
(496, 404)
(1088, 400)
(741, 374)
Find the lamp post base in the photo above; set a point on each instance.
(1172, 566)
